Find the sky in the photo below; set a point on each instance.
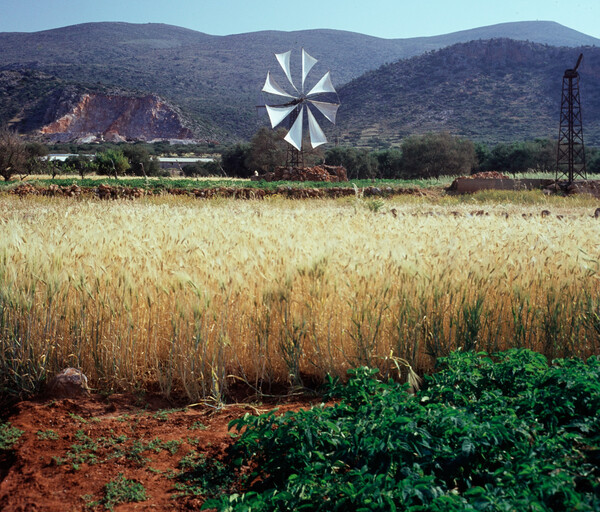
(381, 18)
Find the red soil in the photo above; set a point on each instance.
(39, 475)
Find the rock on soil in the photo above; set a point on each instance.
(108, 192)
(70, 383)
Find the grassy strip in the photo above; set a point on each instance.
(190, 184)
(155, 183)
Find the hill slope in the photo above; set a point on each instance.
(215, 80)
(494, 90)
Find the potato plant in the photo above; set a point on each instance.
(504, 432)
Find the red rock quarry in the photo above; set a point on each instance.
(118, 118)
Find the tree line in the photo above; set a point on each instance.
(420, 156)
(19, 159)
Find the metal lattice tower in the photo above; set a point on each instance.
(570, 158)
(294, 159)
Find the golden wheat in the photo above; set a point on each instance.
(196, 295)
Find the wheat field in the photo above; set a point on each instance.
(196, 297)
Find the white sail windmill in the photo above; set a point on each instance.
(298, 102)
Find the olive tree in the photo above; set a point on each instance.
(81, 164)
(140, 161)
(267, 150)
(435, 154)
(359, 163)
(233, 161)
(14, 157)
(112, 163)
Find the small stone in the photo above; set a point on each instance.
(70, 383)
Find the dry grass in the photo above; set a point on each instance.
(186, 294)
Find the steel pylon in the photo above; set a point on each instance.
(570, 158)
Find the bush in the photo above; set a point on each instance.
(233, 161)
(267, 150)
(359, 163)
(201, 169)
(518, 157)
(14, 157)
(437, 154)
(389, 163)
(79, 164)
(111, 163)
(593, 160)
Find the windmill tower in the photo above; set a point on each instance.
(570, 158)
(322, 97)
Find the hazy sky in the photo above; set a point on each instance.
(382, 18)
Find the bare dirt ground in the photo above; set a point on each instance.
(71, 448)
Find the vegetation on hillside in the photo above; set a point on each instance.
(216, 80)
(488, 91)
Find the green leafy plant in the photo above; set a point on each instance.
(49, 435)
(122, 490)
(78, 418)
(374, 205)
(84, 452)
(163, 414)
(9, 436)
(201, 476)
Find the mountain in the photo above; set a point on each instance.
(213, 81)
(491, 90)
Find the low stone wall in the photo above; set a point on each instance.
(107, 192)
(470, 185)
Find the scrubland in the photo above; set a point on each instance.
(195, 297)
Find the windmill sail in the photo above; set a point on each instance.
(317, 137)
(284, 62)
(278, 114)
(294, 136)
(272, 87)
(307, 63)
(324, 85)
(329, 110)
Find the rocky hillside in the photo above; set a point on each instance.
(493, 90)
(213, 80)
(117, 118)
(61, 111)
